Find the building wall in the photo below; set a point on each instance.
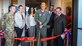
(5, 5)
(62, 3)
(0, 8)
(56, 3)
(0, 5)
(21, 2)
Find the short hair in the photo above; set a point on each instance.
(29, 11)
(11, 7)
(43, 2)
(52, 5)
(20, 6)
(59, 8)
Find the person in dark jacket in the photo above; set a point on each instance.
(49, 26)
(59, 23)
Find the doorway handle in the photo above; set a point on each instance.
(79, 28)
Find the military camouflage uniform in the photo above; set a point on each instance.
(9, 32)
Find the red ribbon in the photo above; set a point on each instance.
(34, 39)
(1, 34)
(50, 38)
(25, 39)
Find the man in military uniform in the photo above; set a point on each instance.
(9, 32)
(42, 18)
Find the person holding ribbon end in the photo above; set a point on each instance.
(59, 23)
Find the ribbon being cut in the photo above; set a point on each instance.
(67, 32)
(1, 36)
(43, 39)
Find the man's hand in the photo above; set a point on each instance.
(40, 26)
(40, 23)
(62, 36)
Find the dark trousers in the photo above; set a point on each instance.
(19, 33)
(59, 42)
(26, 33)
(49, 34)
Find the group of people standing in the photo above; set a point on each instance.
(42, 21)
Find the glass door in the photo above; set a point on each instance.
(79, 35)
